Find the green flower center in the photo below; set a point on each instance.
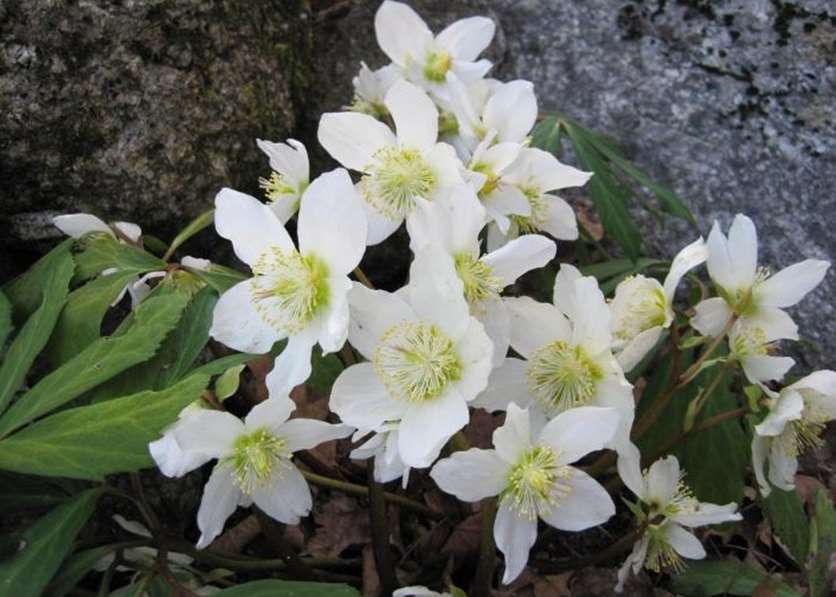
(416, 361)
(437, 65)
(801, 435)
(477, 277)
(661, 556)
(644, 310)
(277, 187)
(537, 482)
(561, 376)
(394, 179)
(539, 211)
(750, 341)
(491, 180)
(742, 301)
(257, 458)
(289, 288)
(447, 124)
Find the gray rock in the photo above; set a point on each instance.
(140, 110)
(729, 102)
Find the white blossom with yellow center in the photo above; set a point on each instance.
(289, 178)
(294, 294)
(397, 169)
(750, 343)
(665, 507)
(427, 359)
(254, 460)
(532, 476)
(796, 419)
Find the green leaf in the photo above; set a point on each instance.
(823, 546)
(100, 361)
(47, 543)
(608, 194)
(88, 442)
(33, 335)
(227, 383)
(5, 320)
(785, 512)
(24, 492)
(24, 292)
(101, 251)
(704, 578)
(199, 223)
(546, 135)
(81, 320)
(324, 370)
(218, 366)
(219, 277)
(289, 588)
(74, 569)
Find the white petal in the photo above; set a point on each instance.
(519, 256)
(743, 250)
(287, 498)
(591, 324)
(560, 220)
(514, 436)
(415, 116)
(638, 348)
(684, 542)
(718, 261)
(292, 366)
(471, 475)
(763, 368)
(782, 468)
(271, 413)
(361, 400)
(564, 294)
(788, 407)
(775, 323)
(579, 431)
(663, 480)
(629, 469)
(436, 293)
(514, 535)
(712, 316)
(634, 562)
(401, 33)
(284, 207)
(429, 224)
(466, 38)
(687, 259)
(549, 174)
(445, 164)
(220, 498)
(511, 111)
(426, 424)
(373, 312)
(333, 329)
(77, 225)
(470, 72)
(506, 200)
(822, 382)
(507, 383)
(237, 324)
(587, 505)
(128, 230)
(615, 392)
(304, 434)
(791, 284)
(533, 324)
(493, 315)
(332, 224)
(709, 514)
(353, 138)
(290, 160)
(760, 452)
(172, 460)
(251, 226)
(208, 432)
(475, 352)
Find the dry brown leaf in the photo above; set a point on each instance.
(310, 404)
(463, 542)
(588, 218)
(553, 585)
(342, 523)
(236, 539)
(479, 431)
(807, 488)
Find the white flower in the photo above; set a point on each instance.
(666, 507)
(290, 176)
(396, 169)
(428, 60)
(642, 307)
(383, 447)
(370, 88)
(419, 591)
(295, 294)
(428, 359)
(453, 226)
(254, 461)
(170, 457)
(508, 109)
(749, 291)
(535, 173)
(530, 472)
(796, 418)
(567, 357)
(750, 342)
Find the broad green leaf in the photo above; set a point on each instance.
(324, 370)
(5, 321)
(610, 197)
(218, 366)
(823, 529)
(228, 382)
(199, 223)
(24, 492)
(88, 442)
(47, 543)
(785, 512)
(219, 277)
(546, 135)
(704, 578)
(100, 252)
(81, 320)
(24, 292)
(289, 588)
(33, 335)
(74, 569)
(100, 361)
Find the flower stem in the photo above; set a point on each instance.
(364, 279)
(354, 489)
(459, 443)
(694, 369)
(487, 553)
(275, 534)
(380, 533)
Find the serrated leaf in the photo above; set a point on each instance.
(99, 252)
(785, 512)
(219, 277)
(88, 442)
(47, 543)
(228, 382)
(24, 292)
(53, 285)
(289, 588)
(546, 135)
(199, 223)
(100, 361)
(81, 320)
(704, 578)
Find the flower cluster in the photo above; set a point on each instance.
(429, 141)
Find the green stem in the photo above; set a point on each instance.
(258, 565)
(380, 533)
(483, 579)
(364, 279)
(694, 369)
(459, 442)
